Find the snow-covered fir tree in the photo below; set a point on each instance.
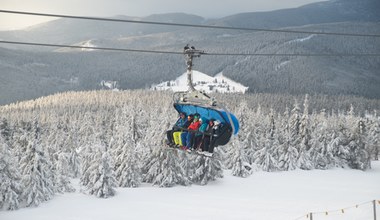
(320, 152)
(359, 157)
(74, 158)
(5, 130)
(288, 152)
(125, 145)
(374, 137)
(266, 157)
(62, 178)
(241, 166)
(36, 171)
(87, 149)
(340, 154)
(164, 169)
(101, 177)
(295, 127)
(128, 173)
(10, 188)
(304, 160)
(207, 169)
(247, 136)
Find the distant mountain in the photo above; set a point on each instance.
(30, 72)
(316, 13)
(70, 31)
(202, 82)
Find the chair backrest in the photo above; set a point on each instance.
(224, 133)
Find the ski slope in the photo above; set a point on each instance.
(263, 195)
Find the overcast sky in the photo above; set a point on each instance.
(100, 8)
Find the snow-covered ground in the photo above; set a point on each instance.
(302, 39)
(263, 195)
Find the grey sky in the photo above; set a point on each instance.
(99, 8)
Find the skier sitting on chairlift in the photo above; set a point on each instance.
(188, 137)
(181, 123)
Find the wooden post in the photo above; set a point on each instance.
(374, 209)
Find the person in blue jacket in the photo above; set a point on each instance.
(181, 123)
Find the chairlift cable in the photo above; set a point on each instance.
(205, 54)
(189, 25)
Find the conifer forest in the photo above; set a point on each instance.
(109, 139)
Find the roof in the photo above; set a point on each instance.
(210, 113)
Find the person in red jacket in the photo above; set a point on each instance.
(187, 137)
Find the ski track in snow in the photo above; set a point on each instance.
(302, 39)
(279, 66)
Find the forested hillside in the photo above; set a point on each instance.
(29, 72)
(115, 139)
(27, 75)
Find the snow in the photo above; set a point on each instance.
(263, 195)
(87, 43)
(279, 66)
(302, 39)
(112, 85)
(203, 82)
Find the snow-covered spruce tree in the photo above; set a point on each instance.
(374, 138)
(21, 139)
(36, 171)
(86, 131)
(265, 157)
(74, 157)
(86, 155)
(246, 135)
(159, 123)
(10, 188)
(163, 168)
(206, 168)
(288, 148)
(62, 181)
(359, 157)
(288, 154)
(125, 143)
(339, 145)
(87, 148)
(237, 152)
(128, 173)
(264, 139)
(241, 166)
(58, 150)
(5, 130)
(185, 161)
(304, 126)
(265, 160)
(294, 126)
(321, 152)
(227, 151)
(101, 177)
(304, 160)
(74, 164)
(254, 129)
(120, 136)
